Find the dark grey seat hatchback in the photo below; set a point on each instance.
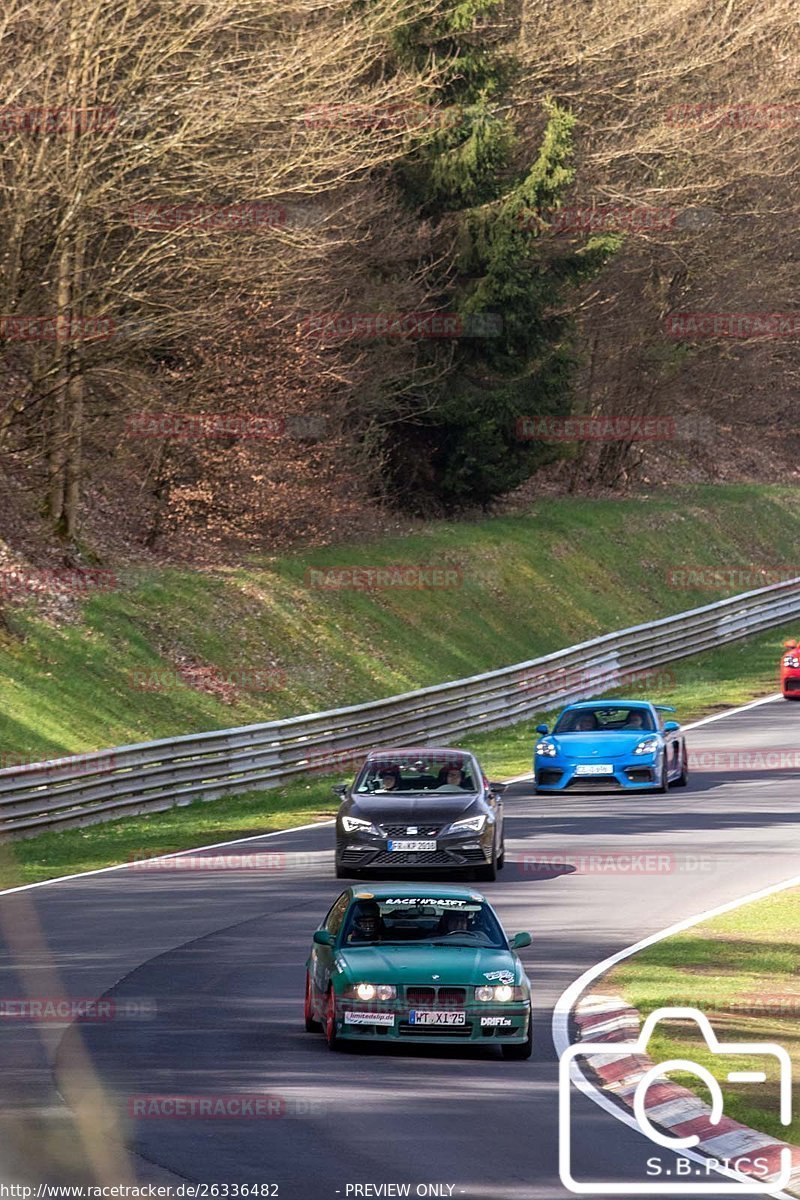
(413, 809)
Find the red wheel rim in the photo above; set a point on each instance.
(330, 1018)
(308, 1013)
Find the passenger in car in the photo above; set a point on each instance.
(451, 780)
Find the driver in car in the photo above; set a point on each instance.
(366, 924)
(586, 723)
(635, 719)
(453, 922)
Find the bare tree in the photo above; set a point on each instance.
(159, 163)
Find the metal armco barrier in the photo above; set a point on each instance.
(152, 776)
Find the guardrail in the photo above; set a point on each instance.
(154, 776)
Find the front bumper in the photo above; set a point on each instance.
(484, 1024)
(790, 683)
(451, 854)
(555, 776)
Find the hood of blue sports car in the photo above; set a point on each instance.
(427, 964)
(599, 747)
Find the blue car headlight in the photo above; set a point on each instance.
(547, 749)
(647, 746)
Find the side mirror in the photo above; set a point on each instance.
(790, 645)
(519, 940)
(671, 726)
(339, 789)
(541, 729)
(497, 788)
(323, 938)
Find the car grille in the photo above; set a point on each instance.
(401, 831)
(594, 783)
(792, 683)
(420, 858)
(442, 997)
(421, 1031)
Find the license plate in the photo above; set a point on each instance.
(413, 845)
(426, 1017)
(595, 769)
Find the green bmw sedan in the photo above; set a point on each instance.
(418, 963)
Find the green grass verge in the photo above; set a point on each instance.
(703, 684)
(743, 970)
(568, 571)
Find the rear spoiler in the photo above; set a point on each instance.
(665, 707)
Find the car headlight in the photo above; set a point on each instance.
(375, 991)
(473, 824)
(501, 994)
(546, 748)
(791, 660)
(647, 746)
(354, 824)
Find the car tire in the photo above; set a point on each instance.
(341, 872)
(331, 1036)
(663, 786)
(501, 858)
(312, 1024)
(488, 873)
(683, 778)
(520, 1050)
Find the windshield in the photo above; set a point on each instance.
(452, 773)
(604, 719)
(423, 920)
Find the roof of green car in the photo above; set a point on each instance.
(434, 891)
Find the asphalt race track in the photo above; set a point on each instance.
(219, 954)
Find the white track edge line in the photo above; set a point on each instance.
(158, 857)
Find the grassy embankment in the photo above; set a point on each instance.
(532, 584)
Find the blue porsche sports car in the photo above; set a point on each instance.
(607, 745)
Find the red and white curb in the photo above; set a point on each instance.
(670, 1107)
